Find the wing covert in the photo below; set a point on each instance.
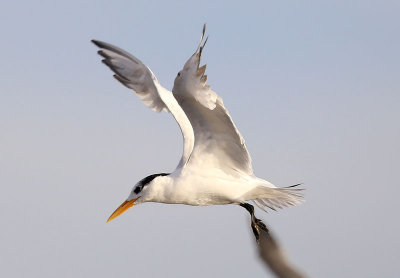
(218, 143)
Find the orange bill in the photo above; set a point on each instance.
(122, 208)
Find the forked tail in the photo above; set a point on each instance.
(273, 198)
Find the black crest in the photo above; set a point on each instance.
(146, 181)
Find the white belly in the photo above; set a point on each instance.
(201, 189)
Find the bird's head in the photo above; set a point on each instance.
(139, 194)
(192, 76)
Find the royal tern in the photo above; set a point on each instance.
(215, 168)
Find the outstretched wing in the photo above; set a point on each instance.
(132, 73)
(135, 75)
(218, 143)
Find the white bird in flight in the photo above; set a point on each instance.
(215, 168)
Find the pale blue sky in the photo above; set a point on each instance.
(313, 87)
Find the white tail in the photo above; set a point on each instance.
(273, 198)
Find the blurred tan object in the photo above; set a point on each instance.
(273, 256)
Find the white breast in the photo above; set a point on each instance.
(195, 188)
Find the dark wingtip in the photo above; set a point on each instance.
(97, 43)
(103, 54)
(204, 44)
(122, 80)
(294, 185)
(94, 42)
(107, 63)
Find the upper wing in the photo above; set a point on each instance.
(218, 142)
(132, 73)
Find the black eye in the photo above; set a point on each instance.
(179, 74)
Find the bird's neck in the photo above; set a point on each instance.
(159, 190)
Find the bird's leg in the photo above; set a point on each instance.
(256, 224)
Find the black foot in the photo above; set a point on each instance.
(256, 224)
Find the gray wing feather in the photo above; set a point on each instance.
(117, 50)
(132, 73)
